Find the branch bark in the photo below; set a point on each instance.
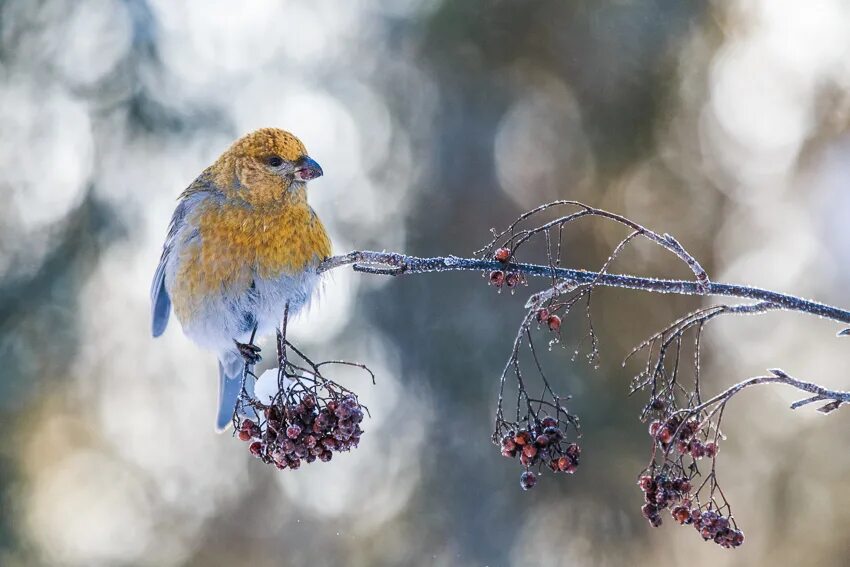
(395, 264)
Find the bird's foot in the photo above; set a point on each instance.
(249, 351)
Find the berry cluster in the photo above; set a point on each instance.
(500, 278)
(660, 492)
(712, 526)
(508, 278)
(683, 435)
(541, 444)
(544, 317)
(305, 431)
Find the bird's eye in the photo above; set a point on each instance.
(275, 161)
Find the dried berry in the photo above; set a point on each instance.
(654, 428)
(497, 278)
(527, 480)
(697, 449)
(681, 514)
(522, 438)
(502, 254)
(646, 483)
(256, 448)
(529, 450)
(665, 434)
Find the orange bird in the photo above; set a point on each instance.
(242, 243)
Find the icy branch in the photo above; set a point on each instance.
(395, 264)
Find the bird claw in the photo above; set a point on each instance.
(250, 352)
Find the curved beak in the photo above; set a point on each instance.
(306, 169)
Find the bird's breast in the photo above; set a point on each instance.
(236, 245)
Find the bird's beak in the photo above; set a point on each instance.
(306, 169)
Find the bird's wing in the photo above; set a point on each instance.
(198, 191)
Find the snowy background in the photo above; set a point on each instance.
(724, 123)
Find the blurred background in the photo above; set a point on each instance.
(724, 123)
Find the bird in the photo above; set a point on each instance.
(242, 247)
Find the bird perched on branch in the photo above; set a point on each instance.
(242, 243)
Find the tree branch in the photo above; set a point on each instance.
(394, 264)
(836, 397)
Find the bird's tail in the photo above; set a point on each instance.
(230, 365)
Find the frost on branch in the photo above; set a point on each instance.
(684, 429)
(310, 416)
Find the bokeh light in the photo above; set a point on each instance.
(724, 123)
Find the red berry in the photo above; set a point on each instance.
(522, 438)
(646, 483)
(293, 431)
(573, 451)
(697, 449)
(497, 278)
(530, 451)
(512, 279)
(689, 429)
(654, 428)
(711, 449)
(542, 440)
(256, 448)
(542, 315)
(554, 323)
(510, 453)
(549, 421)
(665, 435)
(650, 512)
(696, 518)
(246, 425)
(503, 254)
(737, 538)
(244, 435)
(681, 514)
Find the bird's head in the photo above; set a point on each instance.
(264, 165)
